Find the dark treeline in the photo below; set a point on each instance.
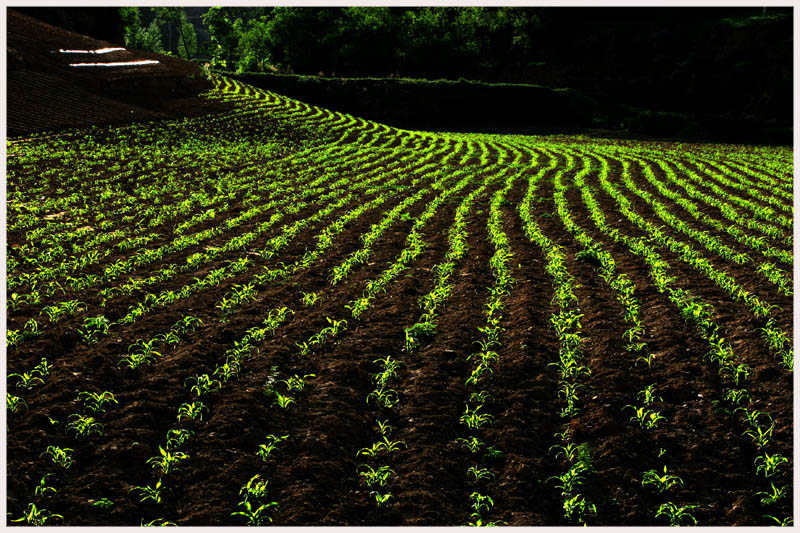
(708, 65)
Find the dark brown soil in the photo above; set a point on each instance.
(313, 476)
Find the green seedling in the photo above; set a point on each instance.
(309, 298)
(479, 473)
(256, 516)
(647, 419)
(769, 464)
(160, 522)
(42, 489)
(43, 368)
(176, 437)
(255, 489)
(59, 456)
(474, 420)
(27, 380)
(662, 483)
(83, 426)
(384, 397)
(150, 493)
(380, 499)
(648, 396)
(103, 503)
(265, 450)
(786, 522)
(481, 503)
(15, 403)
(769, 498)
(296, 383)
(576, 509)
(168, 461)
(191, 411)
(202, 384)
(283, 401)
(678, 516)
(36, 517)
(374, 476)
(96, 401)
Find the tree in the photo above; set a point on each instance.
(187, 38)
(137, 36)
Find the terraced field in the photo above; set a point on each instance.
(284, 315)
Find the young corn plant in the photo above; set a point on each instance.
(577, 509)
(42, 489)
(296, 383)
(202, 384)
(266, 450)
(374, 476)
(27, 380)
(36, 517)
(83, 426)
(59, 456)
(15, 403)
(191, 411)
(473, 419)
(255, 516)
(103, 503)
(96, 401)
(176, 437)
(776, 495)
(678, 516)
(768, 464)
(381, 499)
(168, 461)
(648, 396)
(662, 483)
(149, 493)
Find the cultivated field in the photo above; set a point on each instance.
(284, 315)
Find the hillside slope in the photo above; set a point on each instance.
(46, 93)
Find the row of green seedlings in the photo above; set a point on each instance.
(722, 200)
(434, 300)
(567, 326)
(100, 326)
(31, 329)
(708, 178)
(761, 212)
(769, 270)
(242, 242)
(335, 327)
(296, 109)
(774, 338)
(253, 494)
(154, 211)
(768, 187)
(387, 398)
(473, 418)
(201, 386)
(645, 415)
(324, 240)
(375, 476)
(91, 258)
(759, 244)
(694, 310)
(84, 425)
(415, 245)
(711, 243)
(772, 184)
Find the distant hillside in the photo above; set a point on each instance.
(45, 93)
